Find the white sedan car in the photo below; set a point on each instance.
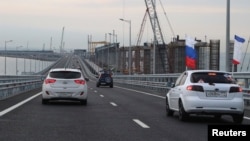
(64, 84)
(205, 92)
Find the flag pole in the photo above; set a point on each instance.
(245, 54)
(247, 47)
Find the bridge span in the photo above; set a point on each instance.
(45, 55)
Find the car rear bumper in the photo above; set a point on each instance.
(81, 95)
(196, 105)
(104, 83)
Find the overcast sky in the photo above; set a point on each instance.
(32, 23)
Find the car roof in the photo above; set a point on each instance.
(65, 69)
(193, 71)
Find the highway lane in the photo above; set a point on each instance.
(112, 114)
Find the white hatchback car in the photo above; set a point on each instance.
(205, 92)
(64, 84)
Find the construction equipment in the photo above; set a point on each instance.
(159, 43)
(142, 28)
(154, 21)
(93, 45)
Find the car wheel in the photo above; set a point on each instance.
(238, 118)
(97, 85)
(45, 101)
(183, 115)
(169, 112)
(111, 86)
(84, 102)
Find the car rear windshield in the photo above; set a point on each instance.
(105, 75)
(211, 77)
(65, 74)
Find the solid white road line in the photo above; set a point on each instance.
(143, 125)
(112, 103)
(18, 104)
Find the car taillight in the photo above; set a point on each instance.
(235, 89)
(48, 81)
(80, 81)
(195, 88)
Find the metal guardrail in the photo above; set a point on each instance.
(19, 78)
(13, 85)
(162, 82)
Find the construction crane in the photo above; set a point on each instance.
(171, 28)
(138, 42)
(153, 16)
(154, 21)
(159, 43)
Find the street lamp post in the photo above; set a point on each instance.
(108, 50)
(5, 44)
(16, 60)
(129, 51)
(115, 45)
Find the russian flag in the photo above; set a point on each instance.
(190, 53)
(238, 42)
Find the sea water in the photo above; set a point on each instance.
(22, 66)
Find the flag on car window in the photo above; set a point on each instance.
(238, 42)
(190, 53)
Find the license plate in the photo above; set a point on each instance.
(216, 94)
(64, 94)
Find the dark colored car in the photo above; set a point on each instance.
(105, 79)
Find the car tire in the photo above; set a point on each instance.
(111, 86)
(183, 115)
(84, 102)
(97, 85)
(238, 118)
(169, 112)
(45, 101)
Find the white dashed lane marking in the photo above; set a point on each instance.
(143, 125)
(112, 103)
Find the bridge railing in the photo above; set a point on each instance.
(13, 85)
(162, 82)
